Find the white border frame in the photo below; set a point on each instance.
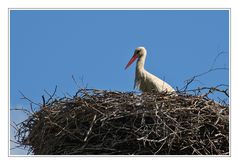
(146, 9)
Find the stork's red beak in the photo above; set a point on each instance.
(131, 60)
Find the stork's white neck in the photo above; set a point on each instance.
(140, 62)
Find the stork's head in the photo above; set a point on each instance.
(138, 53)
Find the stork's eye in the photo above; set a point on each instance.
(138, 51)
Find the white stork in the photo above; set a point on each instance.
(144, 80)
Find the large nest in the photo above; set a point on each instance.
(98, 122)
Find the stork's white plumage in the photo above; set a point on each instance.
(144, 80)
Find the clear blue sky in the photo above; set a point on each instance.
(48, 47)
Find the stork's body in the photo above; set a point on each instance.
(144, 80)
